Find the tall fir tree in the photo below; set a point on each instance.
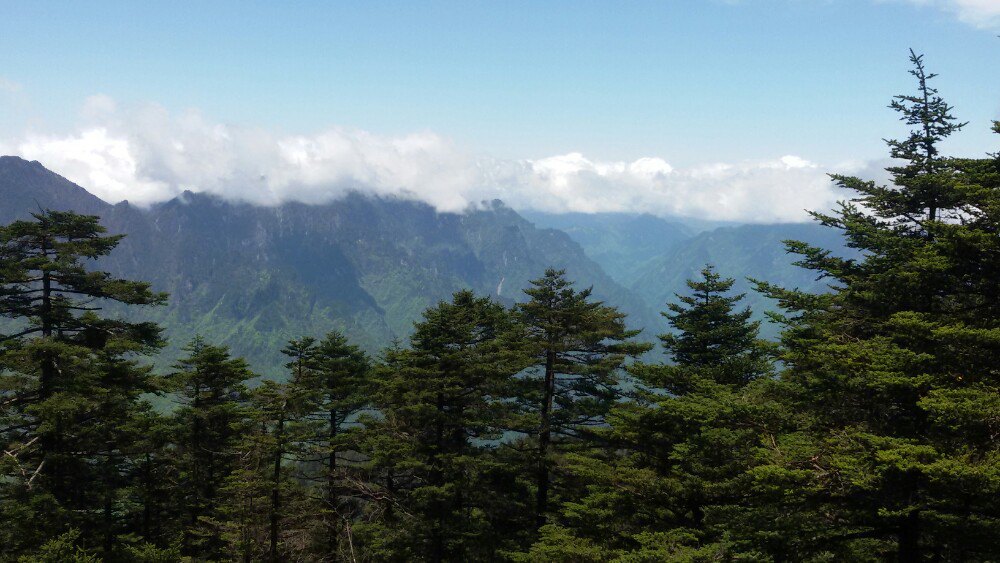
(152, 478)
(210, 420)
(678, 449)
(265, 509)
(578, 346)
(339, 377)
(442, 410)
(69, 383)
(897, 368)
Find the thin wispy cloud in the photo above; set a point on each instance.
(983, 14)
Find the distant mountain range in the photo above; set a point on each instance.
(655, 257)
(252, 277)
(741, 252)
(621, 243)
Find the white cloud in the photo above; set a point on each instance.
(97, 160)
(984, 14)
(980, 13)
(147, 154)
(768, 190)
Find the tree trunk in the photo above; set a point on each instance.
(275, 490)
(49, 441)
(108, 515)
(147, 512)
(331, 484)
(544, 439)
(437, 479)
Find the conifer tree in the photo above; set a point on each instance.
(152, 478)
(578, 346)
(69, 386)
(243, 515)
(263, 508)
(712, 339)
(679, 448)
(211, 419)
(441, 410)
(897, 368)
(281, 407)
(263, 505)
(337, 375)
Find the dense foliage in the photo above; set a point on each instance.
(535, 432)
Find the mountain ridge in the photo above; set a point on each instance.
(252, 276)
(27, 186)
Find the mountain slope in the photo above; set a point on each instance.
(25, 187)
(252, 277)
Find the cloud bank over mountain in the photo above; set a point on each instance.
(147, 154)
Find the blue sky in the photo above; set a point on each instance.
(687, 81)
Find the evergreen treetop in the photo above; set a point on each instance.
(712, 335)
